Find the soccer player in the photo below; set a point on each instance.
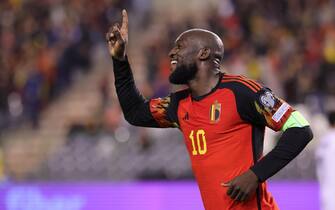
(221, 116)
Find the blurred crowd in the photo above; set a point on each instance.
(44, 43)
(286, 45)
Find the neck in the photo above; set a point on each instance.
(203, 83)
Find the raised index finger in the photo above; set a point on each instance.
(124, 25)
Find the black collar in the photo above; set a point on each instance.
(198, 98)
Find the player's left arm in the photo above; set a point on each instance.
(263, 108)
(277, 114)
(295, 137)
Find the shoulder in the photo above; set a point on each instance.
(247, 94)
(240, 84)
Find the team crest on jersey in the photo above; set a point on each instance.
(215, 112)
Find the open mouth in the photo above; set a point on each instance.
(173, 65)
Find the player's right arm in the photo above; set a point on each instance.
(136, 109)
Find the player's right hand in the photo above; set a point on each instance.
(117, 38)
(242, 187)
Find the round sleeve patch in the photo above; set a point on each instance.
(268, 100)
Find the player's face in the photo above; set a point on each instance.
(183, 61)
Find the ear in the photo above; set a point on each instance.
(204, 53)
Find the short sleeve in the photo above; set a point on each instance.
(263, 107)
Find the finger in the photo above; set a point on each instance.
(111, 38)
(239, 196)
(116, 28)
(115, 34)
(235, 193)
(225, 184)
(112, 28)
(230, 190)
(124, 26)
(244, 197)
(112, 32)
(116, 25)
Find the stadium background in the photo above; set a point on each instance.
(64, 142)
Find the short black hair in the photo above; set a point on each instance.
(331, 118)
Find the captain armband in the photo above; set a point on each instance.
(296, 120)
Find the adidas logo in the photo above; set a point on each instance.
(186, 117)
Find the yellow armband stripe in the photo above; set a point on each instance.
(295, 120)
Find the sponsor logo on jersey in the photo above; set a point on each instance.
(186, 117)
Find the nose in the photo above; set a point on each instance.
(172, 53)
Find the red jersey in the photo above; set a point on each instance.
(223, 133)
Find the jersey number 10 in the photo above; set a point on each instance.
(200, 146)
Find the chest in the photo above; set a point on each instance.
(210, 121)
(215, 112)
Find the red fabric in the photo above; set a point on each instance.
(219, 141)
(228, 150)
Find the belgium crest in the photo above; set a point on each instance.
(215, 112)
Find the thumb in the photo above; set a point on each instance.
(226, 184)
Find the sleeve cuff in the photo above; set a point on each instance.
(116, 60)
